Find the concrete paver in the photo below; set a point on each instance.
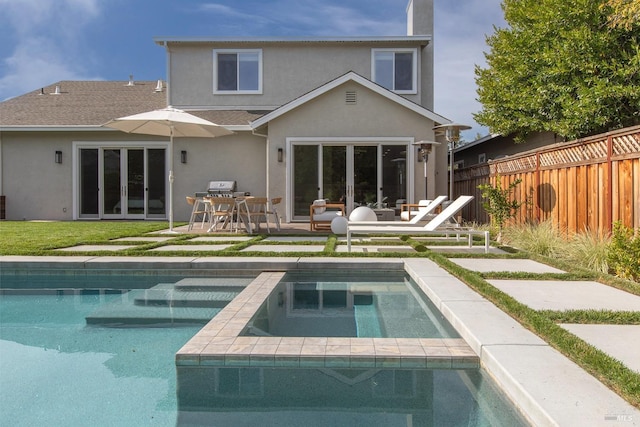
(619, 341)
(506, 265)
(568, 295)
(92, 248)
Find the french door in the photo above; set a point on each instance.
(356, 174)
(122, 183)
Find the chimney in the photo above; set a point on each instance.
(420, 18)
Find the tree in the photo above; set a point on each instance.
(623, 13)
(498, 203)
(560, 67)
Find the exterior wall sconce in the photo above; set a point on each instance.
(183, 156)
(280, 155)
(58, 157)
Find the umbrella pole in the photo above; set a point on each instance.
(171, 179)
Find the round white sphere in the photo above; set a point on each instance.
(339, 225)
(363, 213)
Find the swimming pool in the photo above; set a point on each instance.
(343, 304)
(63, 371)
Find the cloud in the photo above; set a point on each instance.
(42, 42)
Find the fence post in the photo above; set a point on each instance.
(609, 199)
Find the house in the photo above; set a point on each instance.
(332, 118)
(495, 146)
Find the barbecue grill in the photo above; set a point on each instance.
(221, 189)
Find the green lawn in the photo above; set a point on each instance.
(37, 237)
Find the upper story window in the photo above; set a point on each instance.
(237, 71)
(395, 69)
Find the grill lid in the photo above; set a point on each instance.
(221, 186)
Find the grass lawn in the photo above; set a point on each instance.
(37, 237)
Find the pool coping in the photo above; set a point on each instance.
(220, 343)
(548, 388)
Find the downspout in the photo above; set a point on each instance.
(267, 168)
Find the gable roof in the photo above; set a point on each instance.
(349, 77)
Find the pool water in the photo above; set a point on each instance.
(57, 371)
(61, 371)
(338, 304)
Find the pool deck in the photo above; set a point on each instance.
(550, 389)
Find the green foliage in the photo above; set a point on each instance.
(559, 67)
(589, 250)
(498, 203)
(542, 239)
(624, 252)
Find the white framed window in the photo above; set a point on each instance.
(237, 71)
(395, 69)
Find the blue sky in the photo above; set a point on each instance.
(45, 41)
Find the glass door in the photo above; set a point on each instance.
(372, 175)
(122, 183)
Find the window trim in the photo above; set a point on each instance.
(414, 71)
(216, 91)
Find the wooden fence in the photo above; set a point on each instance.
(584, 184)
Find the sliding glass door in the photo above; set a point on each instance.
(355, 174)
(122, 183)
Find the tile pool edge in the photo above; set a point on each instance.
(219, 343)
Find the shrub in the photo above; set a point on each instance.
(543, 239)
(498, 203)
(589, 250)
(624, 252)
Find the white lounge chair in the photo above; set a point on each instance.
(420, 215)
(436, 225)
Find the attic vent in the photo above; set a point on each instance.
(159, 86)
(351, 98)
(57, 90)
(130, 80)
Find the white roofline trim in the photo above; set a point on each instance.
(422, 39)
(350, 76)
(47, 128)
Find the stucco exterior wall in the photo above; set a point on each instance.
(373, 117)
(39, 188)
(289, 70)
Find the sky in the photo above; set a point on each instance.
(46, 41)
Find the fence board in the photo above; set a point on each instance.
(582, 184)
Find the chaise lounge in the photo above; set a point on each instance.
(436, 226)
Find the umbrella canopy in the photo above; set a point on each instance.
(170, 122)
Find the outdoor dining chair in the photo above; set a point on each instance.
(220, 211)
(198, 209)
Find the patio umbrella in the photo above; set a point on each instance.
(170, 122)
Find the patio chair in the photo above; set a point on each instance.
(436, 226)
(272, 211)
(322, 213)
(220, 211)
(257, 211)
(198, 209)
